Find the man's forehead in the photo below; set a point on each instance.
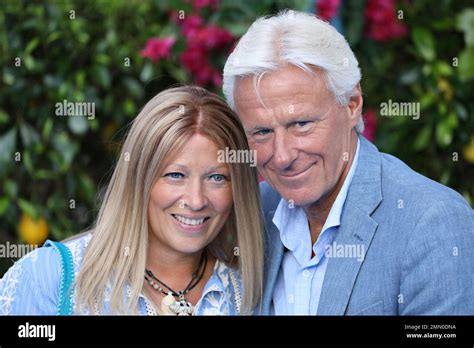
(289, 85)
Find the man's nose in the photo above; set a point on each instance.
(283, 154)
(195, 196)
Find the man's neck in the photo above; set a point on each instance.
(318, 212)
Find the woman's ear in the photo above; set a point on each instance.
(355, 106)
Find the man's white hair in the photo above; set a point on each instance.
(299, 39)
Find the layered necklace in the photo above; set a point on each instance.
(175, 302)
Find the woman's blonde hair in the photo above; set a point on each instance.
(117, 251)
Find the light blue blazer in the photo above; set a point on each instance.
(418, 238)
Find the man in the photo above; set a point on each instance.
(350, 230)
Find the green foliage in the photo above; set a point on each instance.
(432, 65)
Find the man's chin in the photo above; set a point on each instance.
(301, 199)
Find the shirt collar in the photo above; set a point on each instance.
(334, 217)
(293, 222)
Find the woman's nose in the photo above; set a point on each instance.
(195, 197)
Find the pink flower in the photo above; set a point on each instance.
(327, 9)
(217, 78)
(201, 41)
(381, 21)
(199, 4)
(370, 120)
(194, 57)
(190, 26)
(157, 48)
(215, 37)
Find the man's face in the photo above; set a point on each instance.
(302, 136)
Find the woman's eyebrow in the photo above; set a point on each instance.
(182, 166)
(210, 169)
(223, 165)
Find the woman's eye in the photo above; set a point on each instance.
(218, 177)
(174, 175)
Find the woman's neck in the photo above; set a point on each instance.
(174, 268)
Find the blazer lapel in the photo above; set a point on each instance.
(357, 229)
(274, 252)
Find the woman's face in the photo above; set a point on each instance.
(191, 200)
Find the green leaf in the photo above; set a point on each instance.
(8, 77)
(466, 64)
(28, 162)
(102, 76)
(147, 72)
(410, 76)
(7, 144)
(66, 148)
(29, 62)
(452, 120)
(355, 26)
(424, 43)
(86, 187)
(4, 117)
(461, 111)
(44, 174)
(78, 124)
(443, 69)
(31, 45)
(53, 36)
(28, 208)
(444, 134)
(47, 128)
(422, 138)
(134, 87)
(4, 202)
(465, 23)
(11, 188)
(29, 135)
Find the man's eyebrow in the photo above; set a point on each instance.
(256, 128)
(292, 119)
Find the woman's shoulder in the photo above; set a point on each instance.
(31, 285)
(77, 246)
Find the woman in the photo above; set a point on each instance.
(178, 232)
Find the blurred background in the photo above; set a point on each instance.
(118, 54)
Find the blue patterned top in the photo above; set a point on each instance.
(31, 286)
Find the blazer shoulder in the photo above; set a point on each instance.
(399, 178)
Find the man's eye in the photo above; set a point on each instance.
(218, 177)
(301, 124)
(174, 175)
(262, 132)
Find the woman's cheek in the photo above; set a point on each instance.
(222, 201)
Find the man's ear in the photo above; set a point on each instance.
(355, 106)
